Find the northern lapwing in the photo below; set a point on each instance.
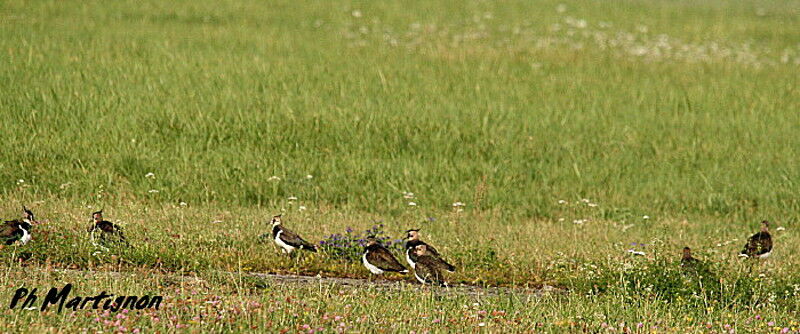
(427, 268)
(760, 244)
(16, 230)
(288, 240)
(106, 228)
(378, 259)
(412, 241)
(687, 260)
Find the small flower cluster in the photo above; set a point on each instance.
(350, 245)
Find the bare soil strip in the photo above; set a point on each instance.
(355, 283)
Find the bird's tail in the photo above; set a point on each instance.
(449, 267)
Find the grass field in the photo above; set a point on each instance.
(572, 132)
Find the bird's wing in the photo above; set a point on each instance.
(294, 240)
(428, 269)
(106, 226)
(758, 244)
(442, 263)
(383, 259)
(9, 232)
(445, 265)
(432, 250)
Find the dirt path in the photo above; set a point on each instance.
(459, 289)
(354, 283)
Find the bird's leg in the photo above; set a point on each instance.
(14, 253)
(296, 259)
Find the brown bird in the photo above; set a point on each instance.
(688, 260)
(12, 231)
(760, 244)
(428, 269)
(106, 228)
(412, 241)
(288, 240)
(378, 259)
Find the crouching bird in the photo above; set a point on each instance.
(18, 231)
(107, 229)
(288, 240)
(377, 259)
(412, 241)
(687, 260)
(428, 269)
(759, 245)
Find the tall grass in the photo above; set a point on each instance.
(215, 98)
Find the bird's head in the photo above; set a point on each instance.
(764, 226)
(421, 250)
(276, 220)
(97, 216)
(27, 215)
(412, 234)
(687, 252)
(372, 240)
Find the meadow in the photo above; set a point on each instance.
(535, 143)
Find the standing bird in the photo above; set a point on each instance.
(412, 241)
(106, 228)
(428, 269)
(687, 261)
(760, 244)
(378, 259)
(15, 230)
(287, 239)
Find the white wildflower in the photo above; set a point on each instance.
(592, 205)
(645, 217)
(561, 201)
(301, 208)
(292, 198)
(20, 181)
(150, 175)
(458, 204)
(635, 252)
(780, 228)
(412, 204)
(273, 178)
(309, 176)
(153, 191)
(183, 204)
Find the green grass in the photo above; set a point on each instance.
(681, 111)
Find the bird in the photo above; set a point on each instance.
(288, 240)
(428, 269)
(412, 241)
(759, 245)
(688, 261)
(16, 230)
(378, 259)
(106, 228)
